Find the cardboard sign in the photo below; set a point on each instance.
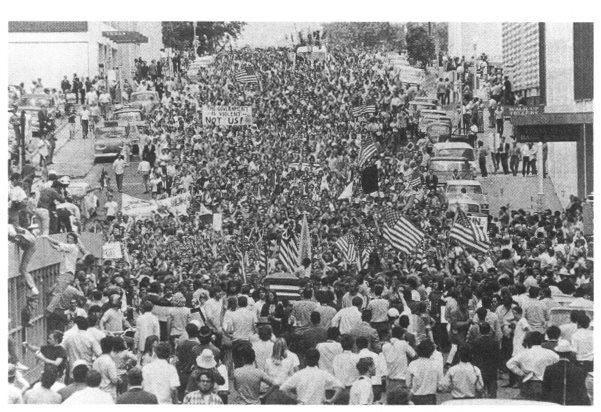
(112, 250)
(227, 116)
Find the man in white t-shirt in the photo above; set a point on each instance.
(111, 207)
(144, 169)
(70, 250)
(85, 121)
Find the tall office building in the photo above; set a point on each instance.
(523, 44)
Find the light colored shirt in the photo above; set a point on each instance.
(111, 208)
(397, 354)
(535, 360)
(536, 313)
(70, 253)
(14, 395)
(119, 166)
(424, 376)
(41, 395)
(240, 323)
(361, 392)
(311, 384)
(159, 378)
(282, 370)
(79, 345)
(582, 341)
(379, 310)
(89, 396)
(105, 365)
(346, 319)
(521, 328)
(345, 367)
(144, 167)
(379, 361)
(327, 352)
(147, 325)
(263, 350)
(463, 379)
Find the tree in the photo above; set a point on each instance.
(212, 36)
(420, 46)
(365, 34)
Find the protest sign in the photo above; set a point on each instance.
(112, 250)
(227, 115)
(217, 222)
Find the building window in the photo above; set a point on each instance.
(583, 61)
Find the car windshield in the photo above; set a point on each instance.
(457, 152)
(129, 116)
(448, 166)
(36, 101)
(111, 132)
(456, 189)
(141, 97)
(439, 129)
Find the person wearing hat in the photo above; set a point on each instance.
(564, 381)
(205, 363)
(14, 393)
(567, 283)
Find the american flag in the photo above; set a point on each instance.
(363, 110)
(368, 149)
(365, 249)
(346, 244)
(288, 252)
(420, 257)
(243, 76)
(400, 232)
(468, 233)
(415, 179)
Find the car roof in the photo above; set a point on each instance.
(452, 145)
(37, 95)
(127, 109)
(448, 159)
(464, 182)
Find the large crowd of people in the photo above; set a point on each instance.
(187, 317)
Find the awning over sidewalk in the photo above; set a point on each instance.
(548, 119)
(125, 37)
(558, 127)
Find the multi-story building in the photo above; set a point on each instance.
(565, 119)
(52, 49)
(523, 44)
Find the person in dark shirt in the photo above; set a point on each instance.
(486, 356)
(135, 394)
(186, 358)
(309, 338)
(553, 333)
(564, 381)
(567, 282)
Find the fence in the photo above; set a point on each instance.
(45, 266)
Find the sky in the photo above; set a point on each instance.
(273, 34)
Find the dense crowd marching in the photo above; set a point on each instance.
(187, 317)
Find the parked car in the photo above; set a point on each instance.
(455, 149)
(473, 194)
(112, 136)
(439, 131)
(32, 104)
(444, 167)
(130, 115)
(147, 101)
(420, 105)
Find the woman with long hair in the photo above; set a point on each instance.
(148, 355)
(280, 366)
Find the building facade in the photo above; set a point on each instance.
(565, 120)
(50, 50)
(486, 37)
(523, 46)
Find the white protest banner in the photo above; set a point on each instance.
(217, 222)
(178, 205)
(132, 206)
(112, 250)
(227, 115)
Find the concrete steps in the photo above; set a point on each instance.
(519, 192)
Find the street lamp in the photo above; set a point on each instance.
(475, 42)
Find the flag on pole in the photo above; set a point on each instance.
(288, 252)
(468, 233)
(346, 244)
(368, 149)
(363, 110)
(400, 232)
(305, 241)
(243, 76)
(415, 179)
(420, 257)
(347, 193)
